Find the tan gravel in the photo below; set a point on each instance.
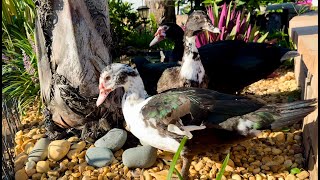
(269, 156)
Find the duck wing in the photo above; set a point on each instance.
(177, 112)
(180, 111)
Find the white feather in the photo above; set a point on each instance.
(191, 69)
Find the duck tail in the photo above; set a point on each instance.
(281, 115)
(287, 54)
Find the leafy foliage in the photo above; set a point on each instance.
(19, 64)
(233, 24)
(128, 29)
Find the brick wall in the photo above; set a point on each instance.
(303, 30)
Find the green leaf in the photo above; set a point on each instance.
(285, 129)
(216, 14)
(294, 171)
(176, 157)
(223, 167)
(262, 38)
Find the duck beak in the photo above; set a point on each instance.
(103, 94)
(209, 27)
(156, 40)
(158, 37)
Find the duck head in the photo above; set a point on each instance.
(197, 22)
(112, 77)
(169, 31)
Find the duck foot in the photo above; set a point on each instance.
(186, 162)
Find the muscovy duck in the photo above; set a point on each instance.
(208, 118)
(230, 65)
(191, 73)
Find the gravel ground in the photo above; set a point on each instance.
(269, 156)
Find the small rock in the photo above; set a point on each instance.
(58, 149)
(42, 167)
(199, 166)
(30, 168)
(235, 177)
(290, 177)
(99, 156)
(113, 140)
(40, 150)
(258, 177)
(297, 137)
(139, 157)
(36, 176)
(38, 136)
(256, 171)
(280, 137)
(287, 163)
(21, 175)
(20, 161)
(302, 175)
(231, 163)
(76, 149)
(276, 151)
(290, 137)
(73, 139)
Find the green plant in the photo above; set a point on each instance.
(19, 64)
(175, 159)
(124, 21)
(233, 25)
(295, 171)
(223, 167)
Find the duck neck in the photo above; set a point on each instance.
(191, 68)
(134, 92)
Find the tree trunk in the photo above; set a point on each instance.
(73, 42)
(163, 10)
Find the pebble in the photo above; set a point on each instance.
(40, 150)
(199, 166)
(290, 177)
(302, 175)
(99, 156)
(287, 163)
(20, 161)
(256, 171)
(113, 140)
(141, 157)
(76, 149)
(42, 167)
(235, 177)
(280, 137)
(58, 149)
(21, 175)
(30, 168)
(276, 151)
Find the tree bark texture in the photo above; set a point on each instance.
(73, 42)
(163, 10)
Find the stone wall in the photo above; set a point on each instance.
(303, 30)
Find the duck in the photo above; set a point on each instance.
(209, 119)
(231, 65)
(191, 73)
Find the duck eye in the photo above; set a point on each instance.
(107, 78)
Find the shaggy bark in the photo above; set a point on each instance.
(73, 42)
(163, 10)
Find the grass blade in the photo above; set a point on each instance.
(223, 167)
(176, 157)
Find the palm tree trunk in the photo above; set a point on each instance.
(163, 10)
(73, 44)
